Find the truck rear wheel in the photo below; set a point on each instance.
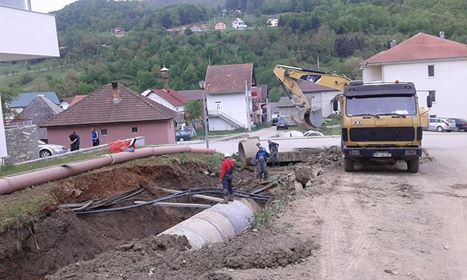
(348, 165)
(413, 165)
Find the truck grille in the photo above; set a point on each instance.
(382, 134)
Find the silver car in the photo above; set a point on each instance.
(442, 124)
(47, 150)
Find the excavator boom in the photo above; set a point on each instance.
(289, 76)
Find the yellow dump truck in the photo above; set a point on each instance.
(380, 122)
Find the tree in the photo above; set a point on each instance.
(194, 109)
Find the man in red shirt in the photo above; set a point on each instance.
(226, 177)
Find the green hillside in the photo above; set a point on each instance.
(337, 33)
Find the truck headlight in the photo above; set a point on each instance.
(410, 152)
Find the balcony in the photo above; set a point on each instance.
(27, 35)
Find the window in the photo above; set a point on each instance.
(104, 132)
(134, 130)
(431, 70)
(432, 94)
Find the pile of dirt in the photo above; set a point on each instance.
(262, 249)
(61, 237)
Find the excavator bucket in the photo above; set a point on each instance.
(308, 119)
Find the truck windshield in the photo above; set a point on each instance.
(381, 105)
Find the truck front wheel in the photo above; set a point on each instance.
(348, 165)
(412, 165)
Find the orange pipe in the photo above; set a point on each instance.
(14, 183)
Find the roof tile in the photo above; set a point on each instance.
(99, 108)
(420, 47)
(229, 78)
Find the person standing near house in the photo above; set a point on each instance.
(261, 160)
(74, 141)
(95, 137)
(273, 150)
(227, 167)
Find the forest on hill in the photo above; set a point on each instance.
(334, 35)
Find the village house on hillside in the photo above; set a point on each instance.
(220, 26)
(168, 97)
(228, 96)
(116, 113)
(118, 32)
(38, 112)
(24, 99)
(272, 22)
(239, 24)
(435, 65)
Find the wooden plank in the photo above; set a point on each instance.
(210, 198)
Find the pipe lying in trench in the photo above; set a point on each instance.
(217, 223)
(11, 184)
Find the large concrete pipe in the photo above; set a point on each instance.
(14, 183)
(247, 150)
(216, 223)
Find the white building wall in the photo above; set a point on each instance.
(372, 74)
(217, 124)
(29, 35)
(164, 102)
(451, 94)
(233, 105)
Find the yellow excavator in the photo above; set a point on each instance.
(381, 122)
(289, 77)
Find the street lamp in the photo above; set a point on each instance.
(205, 114)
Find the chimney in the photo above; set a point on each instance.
(441, 35)
(165, 78)
(115, 93)
(393, 43)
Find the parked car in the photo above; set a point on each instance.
(290, 134)
(461, 124)
(442, 124)
(312, 133)
(182, 135)
(282, 124)
(47, 150)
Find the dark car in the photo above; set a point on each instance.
(282, 124)
(461, 124)
(182, 136)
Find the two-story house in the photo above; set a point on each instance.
(437, 66)
(228, 96)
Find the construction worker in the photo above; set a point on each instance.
(273, 150)
(261, 160)
(227, 167)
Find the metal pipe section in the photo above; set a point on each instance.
(11, 184)
(216, 223)
(247, 150)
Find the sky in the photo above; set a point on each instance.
(45, 6)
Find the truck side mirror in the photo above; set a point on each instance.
(335, 105)
(429, 103)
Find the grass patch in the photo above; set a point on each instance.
(22, 209)
(271, 212)
(13, 169)
(331, 125)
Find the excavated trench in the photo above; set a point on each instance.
(61, 237)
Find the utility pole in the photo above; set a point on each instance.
(205, 114)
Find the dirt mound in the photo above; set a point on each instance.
(62, 237)
(242, 252)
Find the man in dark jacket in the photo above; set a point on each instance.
(261, 160)
(227, 167)
(273, 150)
(74, 141)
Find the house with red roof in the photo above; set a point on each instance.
(228, 96)
(170, 99)
(117, 113)
(437, 66)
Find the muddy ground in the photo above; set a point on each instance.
(379, 222)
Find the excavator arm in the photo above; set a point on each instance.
(289, 76)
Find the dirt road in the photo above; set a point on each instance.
(383, 223)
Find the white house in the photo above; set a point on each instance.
(273, 22)
(239, 24)
(436, 66)
(228, 96)
(33, 27)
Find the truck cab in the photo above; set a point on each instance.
(381, 122)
